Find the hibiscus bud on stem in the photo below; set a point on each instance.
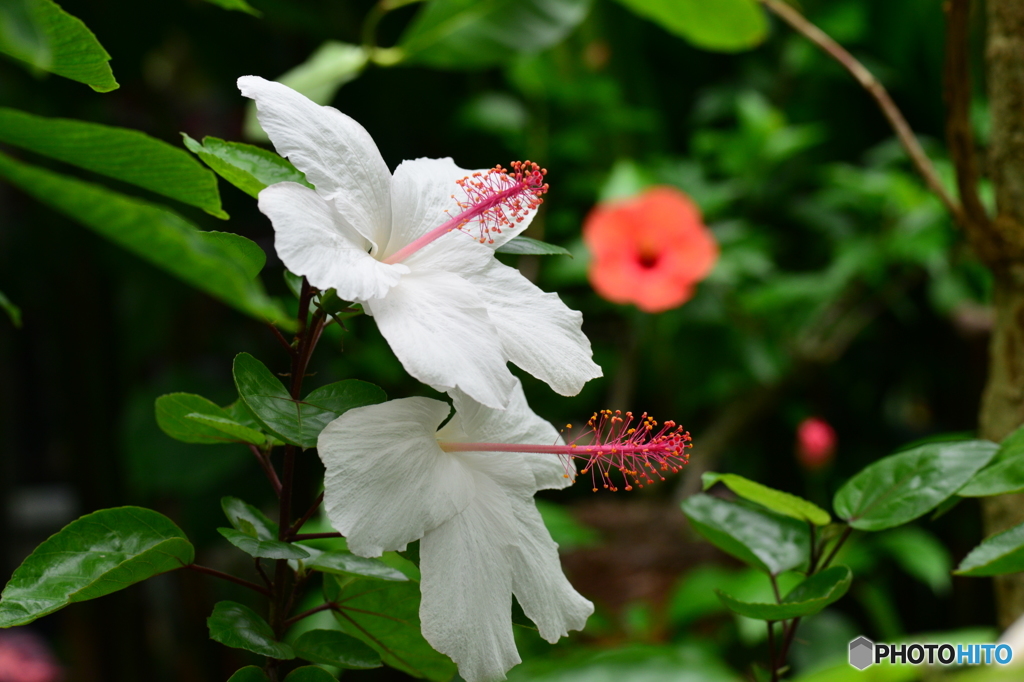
(494, 199)
(639, 448)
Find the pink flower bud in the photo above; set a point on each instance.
(815, 443)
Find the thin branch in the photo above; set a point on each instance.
(268, 468)
(263, 574)
(305, 517)
(867, 80)
(775, 588)
(227, 576)
(835, 550)
(306, 614)
(283, 341)
(314, 536)
(771, 651)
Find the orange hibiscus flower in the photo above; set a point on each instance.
(649, 250)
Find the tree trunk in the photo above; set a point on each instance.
(1002, 408)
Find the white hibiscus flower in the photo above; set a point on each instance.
(397, 244)
(393, 477)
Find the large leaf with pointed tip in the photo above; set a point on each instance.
(154, 233)
(385, 615)
(240, 627)
(247, 167)
(763, 539)
(120, 153)
(330, 647)
(44, 36)
(809, 597)
(999, 554)
(95, 555)
(1004, 474)
(345, 563)
(722, 25)
(297, 421)
(904, 486)
(776, 500)
(262, 549)
(472, 34)
(194, 419)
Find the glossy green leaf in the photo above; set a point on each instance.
(262, 549)
(319, 78)
(385, 615)
(44, 36)
(471, 34)
(243, 252)
(776, 500)
(248, 519)
(120, 153)
(525, 246)
(236, 5)
(1004, 474)
(249, 673)
(245, 166)
(309, 673)
(330, 647)
(240, 627)
(768, 541)
(806, 599)
(722, 25)
(95, 555)
(13, 311)
(346, 563)
(194, 419)
(152, 232)
(999, 554)
(904, 486)
(297, 422)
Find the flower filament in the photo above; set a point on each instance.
(638, 448)
(494, 199)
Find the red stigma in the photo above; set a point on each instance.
(499, 198)
(638, 448)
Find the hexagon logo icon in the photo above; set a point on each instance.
(862, 653)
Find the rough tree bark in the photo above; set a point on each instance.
(1000, 243)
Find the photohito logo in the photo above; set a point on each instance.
(864, 652)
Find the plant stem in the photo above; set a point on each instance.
(305, 614)
(314, 536)
(835, 549)
(268, 468)
(305, 517)
(771, 650)
(867, 80)
(227, 576)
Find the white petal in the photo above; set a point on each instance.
(517, 423)
(455, 252)
(547, 597)
(539, 332)
(440, 331)
(466, 610)
(421, 198)
(313, 240)
(337, 154)
(387, 481)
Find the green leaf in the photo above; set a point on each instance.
(154, 233)
(768, 541)
(776, 500)
(262, 549)
(245, 517)
(249, 673)
(297, 422)
(244, 252)
(42, 35)
(1004, 474)
(330, 647)
(120, 153)
(319, 78)
(806, 599)
(240, 627)
(13, 311)
(904, 486)
(473, 34)
(245, 166)
(95, 555)
(309, 673)
(237, 5)
(194, 419)
(722, 25)
(346, 563)
(999, 554)
(385, 615)
(920, 554)
(525, 246)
